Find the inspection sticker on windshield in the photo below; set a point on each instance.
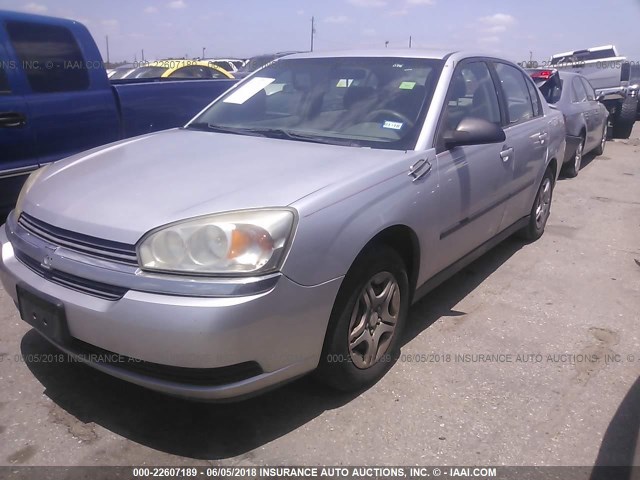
(392, 125)
(407, 85)
(248, 90)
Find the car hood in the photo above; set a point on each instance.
(121, 191)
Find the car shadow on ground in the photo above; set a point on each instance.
(587, 161)
(219, 431)
(620, 446)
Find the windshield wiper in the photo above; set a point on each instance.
(272, 133)
(224, 129)
(300, 137)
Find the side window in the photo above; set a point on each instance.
(50, 57)
(591, 94)
(4, 81)
(471, 93)
(535, 98)
(516, 93)
(579, 91)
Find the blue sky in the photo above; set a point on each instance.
(241, 28)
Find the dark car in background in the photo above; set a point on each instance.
(586, 119)
(49, 110)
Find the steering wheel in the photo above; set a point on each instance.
(386, 112)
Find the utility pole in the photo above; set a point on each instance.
(313, 30)
(203, 49)
(143, 54)
(107, 48)
(386, 43)
(409, 41)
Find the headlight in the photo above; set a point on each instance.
(25, 189)
(251, 241)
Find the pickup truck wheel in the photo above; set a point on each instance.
(541, 208)
(603, 141)
(625, 117)
(572, 167)
(365, 328)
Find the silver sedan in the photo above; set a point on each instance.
(289, 226)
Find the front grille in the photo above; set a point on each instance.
(191, 376)
(90, 287)
(85, 244)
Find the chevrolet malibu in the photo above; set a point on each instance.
(289, 226)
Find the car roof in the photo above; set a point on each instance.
(382, 52)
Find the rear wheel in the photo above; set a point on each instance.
(603, 141)
(572, 167)
(541, 208)
(363, 337)
(625, 117)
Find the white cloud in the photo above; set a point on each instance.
(502, 20)
(337, 19)
(368, 3)
(300, 12)
(369, 32)
(421, 2)
(35, 8)
(492, 26)
(399, 13)
(151, 10)
(177, 4)
(489, 39)
(110, 23)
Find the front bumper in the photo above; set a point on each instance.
(281, 330)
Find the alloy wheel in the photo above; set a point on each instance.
(577, 160)
(373, 320)
(543, 204)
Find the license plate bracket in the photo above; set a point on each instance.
(44, 313)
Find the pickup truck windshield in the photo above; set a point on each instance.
(369, 101)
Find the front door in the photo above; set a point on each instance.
(473, 180)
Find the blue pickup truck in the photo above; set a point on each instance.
(56, 100)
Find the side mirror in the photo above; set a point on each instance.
(474, 131)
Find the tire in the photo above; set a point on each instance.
(599, 150)
(538, 219)
(625, 117)
(352, 366)
(571, 169)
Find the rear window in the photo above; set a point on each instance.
(584, 56)
(50, 57)
(551, 89)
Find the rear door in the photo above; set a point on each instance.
(582, 105)
(17, 154)
(70, 101)
(527, 138)
(473, 179)
(597, 114)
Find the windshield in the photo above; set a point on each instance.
(374, 102)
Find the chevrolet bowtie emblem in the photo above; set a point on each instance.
(46, 262)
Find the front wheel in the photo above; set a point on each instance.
(541, 208)
(363, 337)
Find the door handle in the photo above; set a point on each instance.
(506, 154)
(12, 120)
(420, 169)
(542, 137)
